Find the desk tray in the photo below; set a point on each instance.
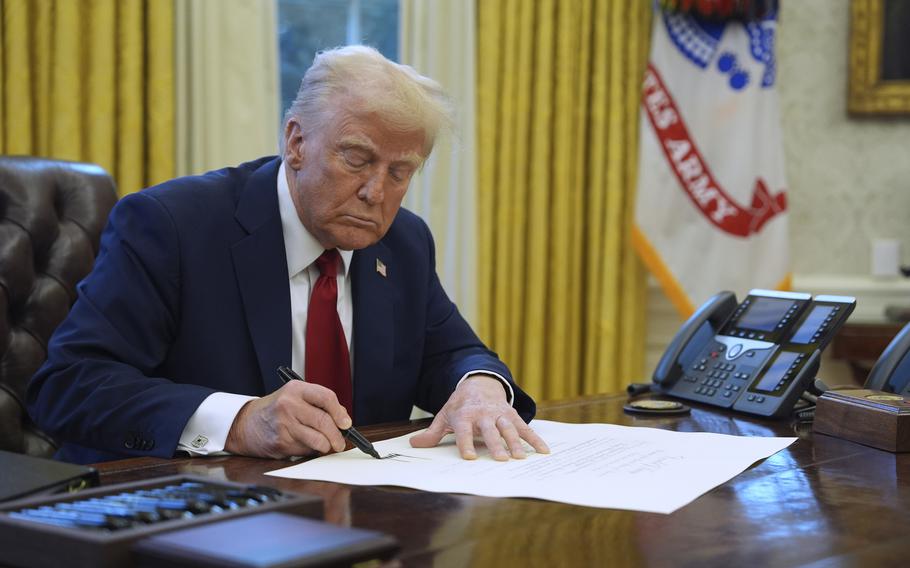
(29, 543)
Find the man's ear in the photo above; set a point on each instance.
(293, 144)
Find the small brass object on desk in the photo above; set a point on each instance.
(874, 418)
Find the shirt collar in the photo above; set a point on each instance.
(300, 247)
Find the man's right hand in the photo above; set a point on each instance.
(296, 420)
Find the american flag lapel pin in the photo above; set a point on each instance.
(380, 268)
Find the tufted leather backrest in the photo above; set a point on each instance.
(51, 216)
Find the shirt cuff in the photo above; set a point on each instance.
(510, 394)
(207, 430)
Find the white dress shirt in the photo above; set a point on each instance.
(207, 429)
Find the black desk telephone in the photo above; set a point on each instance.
(891, 372)
(758, 356)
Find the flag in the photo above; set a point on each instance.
(711, 209)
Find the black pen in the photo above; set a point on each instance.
(286, 374)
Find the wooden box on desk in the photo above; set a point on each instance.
(874, 418)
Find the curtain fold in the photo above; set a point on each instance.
(561, 293)
(228, 100)
(438, 39)
(90, 81)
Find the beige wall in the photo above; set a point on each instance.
(849, 178)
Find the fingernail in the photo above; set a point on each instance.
(470, 456)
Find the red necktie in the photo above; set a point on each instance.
(327, 360)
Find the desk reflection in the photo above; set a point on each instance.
(822, 500)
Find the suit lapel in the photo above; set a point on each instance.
(373, 324)
(260, 265)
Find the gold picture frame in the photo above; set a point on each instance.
(868, 92)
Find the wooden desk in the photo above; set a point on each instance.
(821, 500)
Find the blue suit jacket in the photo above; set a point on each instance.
(190, 295)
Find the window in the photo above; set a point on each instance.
(307, 26)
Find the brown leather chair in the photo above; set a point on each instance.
(51, 216)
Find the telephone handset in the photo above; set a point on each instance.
(757, 356)
(704, 323)
(891, 373)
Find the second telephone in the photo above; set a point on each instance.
(757, 356)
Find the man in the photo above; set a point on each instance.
(205, 285)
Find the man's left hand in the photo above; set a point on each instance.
(478, 407)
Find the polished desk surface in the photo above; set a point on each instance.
(823, 500)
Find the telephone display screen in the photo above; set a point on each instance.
(776, 371)
(765, 313)
(814, 321)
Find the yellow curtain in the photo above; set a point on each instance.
(90, 80)
(561, 292)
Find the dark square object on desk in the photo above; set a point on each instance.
(869, 417)
(27, 475)
(267, 540)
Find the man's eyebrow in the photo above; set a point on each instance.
(358, 143)
(412, 159)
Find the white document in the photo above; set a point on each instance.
(596, 465)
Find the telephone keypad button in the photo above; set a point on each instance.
(727, 394)
(711, 392)
(736, 388)
(759, 399)
(751, 397)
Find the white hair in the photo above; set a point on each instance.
(400, 95)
